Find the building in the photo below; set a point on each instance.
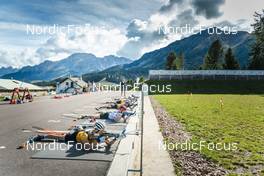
(71, 85)
(105, 85)
(7, 85)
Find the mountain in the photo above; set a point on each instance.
(194, 49)
(76, 64)
(7, 70)
(115, 69)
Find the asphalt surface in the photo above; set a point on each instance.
(47, 113)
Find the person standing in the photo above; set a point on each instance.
(123, 88)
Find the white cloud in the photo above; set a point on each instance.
(17, 58)
(148, 33)
(177, 13)
(140, 36)
(98, 41)
(237, 9)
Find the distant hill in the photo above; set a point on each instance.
(76, 64)
(7, 70)
(194, 49)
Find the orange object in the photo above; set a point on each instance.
(17, 98)
(13, 97)
(27, 95)
(57, 97)
(122, 108)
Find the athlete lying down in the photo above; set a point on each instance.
(131, 104)
(131, 98)
(116, 116)
(120, 115)
(96, 136)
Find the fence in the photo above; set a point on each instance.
(206, 74)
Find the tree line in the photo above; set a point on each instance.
(175, 62)
(216, 58)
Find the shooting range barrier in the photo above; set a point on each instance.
(206, 74)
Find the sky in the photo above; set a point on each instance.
(33, 31)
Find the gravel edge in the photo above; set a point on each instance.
(186, 163)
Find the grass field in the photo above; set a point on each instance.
(240, 120)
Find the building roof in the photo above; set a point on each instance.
(107, 83)
(10, 84)
(77, 80)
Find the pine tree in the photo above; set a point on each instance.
(141, 79)
(180, 62)
(213, 58)
(209, 63)
(170, 59)
(230, 61)
(257, 51)
(174, 64)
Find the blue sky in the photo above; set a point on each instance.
(119, 27)
(115, 12)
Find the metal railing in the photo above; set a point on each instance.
(142, 130)
(141, 121)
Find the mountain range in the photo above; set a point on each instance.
(7, 70)
(76, 65)
(113, 68)
(194, 48)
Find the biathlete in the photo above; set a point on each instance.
(96, 136)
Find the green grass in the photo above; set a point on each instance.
(1, 98)
(241, 120)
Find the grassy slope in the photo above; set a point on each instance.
(241, 121)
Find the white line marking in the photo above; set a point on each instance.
(26, 131)
(54, 121)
